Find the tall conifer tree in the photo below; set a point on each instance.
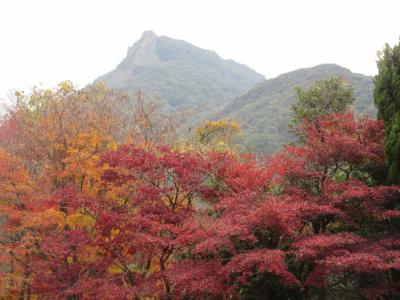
(387, 100)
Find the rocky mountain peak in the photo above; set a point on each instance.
(143, 52)
(180, 74)
(149, 35)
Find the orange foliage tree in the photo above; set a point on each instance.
(51, 140)
(93, 206)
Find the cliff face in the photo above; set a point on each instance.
(180, 73)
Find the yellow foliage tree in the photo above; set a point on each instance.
(218, 135)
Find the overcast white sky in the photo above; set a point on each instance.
(50, 41)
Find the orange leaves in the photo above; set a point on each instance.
(14, 181)
(59, 134)
(86, 217)
(48, 219)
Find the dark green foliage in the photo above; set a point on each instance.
(387, 100)
(392, 148)
(264, 111)
(264, 286)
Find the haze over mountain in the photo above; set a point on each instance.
(180, 73)
(184, 75)
(264, 111)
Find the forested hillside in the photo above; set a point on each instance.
(184, 76)
(180, 73)
(264, 111)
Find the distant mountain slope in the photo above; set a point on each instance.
(264, 111)
(180, 73)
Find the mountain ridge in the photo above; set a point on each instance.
(264, 110)
(183, 75)
(180, 73)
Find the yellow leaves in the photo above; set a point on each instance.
(48, 93)
(101, 85)
(183, 147)
(112, 146)
(221, 127)
(217, 135)
(62, 131)
(155, 265)
(115, 269)
(70, 260)
(79, 220)
(65, 87)
(82, 97)
(114, 232)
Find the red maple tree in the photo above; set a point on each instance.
(160, 223)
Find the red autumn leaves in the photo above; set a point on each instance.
(155, 222)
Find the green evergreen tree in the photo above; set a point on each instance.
(387, 100)
(324, 97)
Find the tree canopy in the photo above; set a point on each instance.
(325, 97)
(93, 209)
(387, 100)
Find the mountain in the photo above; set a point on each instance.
(184, 75)
(264, 111)
(180, 73)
